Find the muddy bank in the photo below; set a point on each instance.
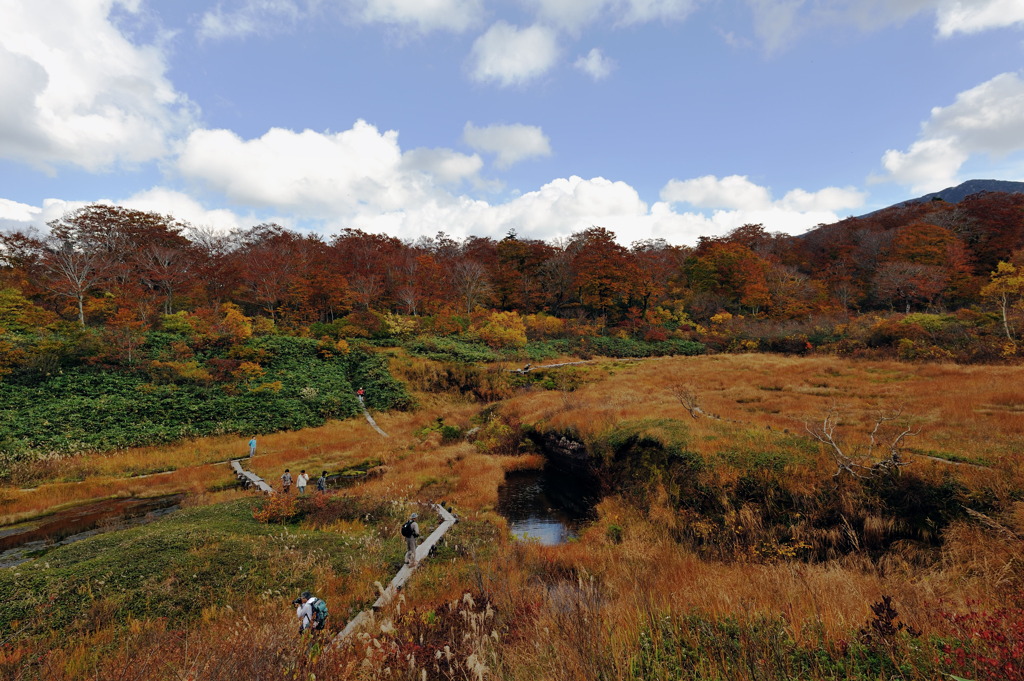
(79, 522)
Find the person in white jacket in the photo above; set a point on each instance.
(304, 610)
(302, 481)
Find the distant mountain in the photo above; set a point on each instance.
(962, 191)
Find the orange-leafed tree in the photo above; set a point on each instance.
(601, 267)
(731, 270)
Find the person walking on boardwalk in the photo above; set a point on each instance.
(286, 481)
(411, 531)
(302, 482)
(360, 393)
(252, 447)
(321, 482)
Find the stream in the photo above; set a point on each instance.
(19, 542)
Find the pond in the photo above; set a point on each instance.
(547, 506)
(18, 542)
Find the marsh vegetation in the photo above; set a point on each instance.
(723, 546)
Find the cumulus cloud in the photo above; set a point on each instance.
(15, 216)
(508, 55)
(15, 212)
(444, 165)
(305, 171)
(251, 17)
(181, 206)
(361, 177)
(987, 119)
(568, 205)
(735, 201)
(76, 91)
(22, 217)
(595, 64)
(732, 192)
(510, 143)
(323, 175)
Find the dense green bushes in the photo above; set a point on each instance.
(289, 383)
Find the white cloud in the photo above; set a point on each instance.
(572, 15)
(16, 216)
(511, 143)
(183, 207)
(444, 165)
(732, 192)
(252, 17)
(973, 16)
(20, 216)
(76, 91)
(512, 56)
(595, 64)
(987, 119)
(569, 14)
(567, 205)
(320, 176)
(640, 11)
(17, 212)
(777, 22)
(309, 172)
(736, 201)
(361, 177)
(262, 17)
(422, 15)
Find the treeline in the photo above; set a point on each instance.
(954, 268)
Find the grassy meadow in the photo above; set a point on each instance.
(729, 543)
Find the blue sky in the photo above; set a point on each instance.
(655, 118)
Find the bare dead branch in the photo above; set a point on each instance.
(688, 398)
(847, 459)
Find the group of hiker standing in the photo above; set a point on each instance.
(310, 610)
(302, 481)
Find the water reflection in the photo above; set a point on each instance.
(544, 506)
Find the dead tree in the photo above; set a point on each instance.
(688, 399)
(884, 450)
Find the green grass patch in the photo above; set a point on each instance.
(190, 560)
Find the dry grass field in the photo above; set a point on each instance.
(652, 589)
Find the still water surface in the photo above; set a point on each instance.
(545, 506)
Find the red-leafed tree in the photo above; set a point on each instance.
(601, 267)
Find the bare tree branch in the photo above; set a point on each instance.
(847, 458)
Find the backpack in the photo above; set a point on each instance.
(407, 529)
(319, 613)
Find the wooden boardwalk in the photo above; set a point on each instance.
(366, 618)
(369, 418)
(250, 478)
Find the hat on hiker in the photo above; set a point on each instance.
(305, 594)
(414, 516)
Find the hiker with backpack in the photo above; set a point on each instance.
(286, 480)
(411, 531)
(321, 482)
(311, 611)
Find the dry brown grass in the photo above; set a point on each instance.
(578, 609)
